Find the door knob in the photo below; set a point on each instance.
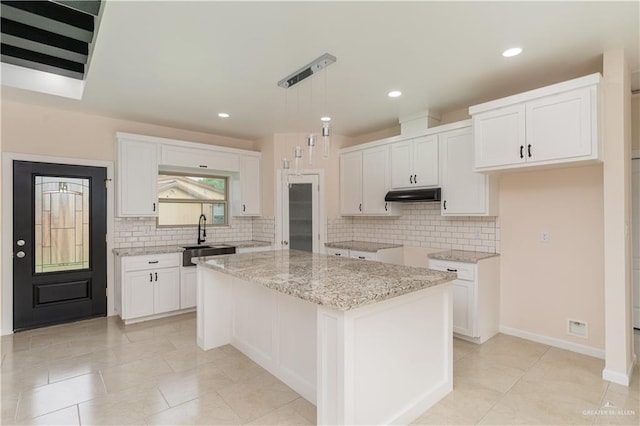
(20, 254)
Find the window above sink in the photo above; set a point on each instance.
(183, 198)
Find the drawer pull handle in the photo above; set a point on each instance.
(203, 166)
(337, 254)
(361, 257)
(452, 270)
(151, 262)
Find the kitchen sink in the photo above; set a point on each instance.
(205, 250)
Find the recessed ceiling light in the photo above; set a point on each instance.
(394, 93)
(325, 118)
(223, 115)
(514, 51)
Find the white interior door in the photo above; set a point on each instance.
(635, 227)
(301, 212)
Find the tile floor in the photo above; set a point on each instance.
(101, 372)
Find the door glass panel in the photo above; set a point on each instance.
(61, 224)
(300, 217)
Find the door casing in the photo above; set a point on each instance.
(7, 227)
(321, 208)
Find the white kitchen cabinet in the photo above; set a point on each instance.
(197, 158)
(246, 188)
(364, 182)
(148, 285)
(414, 163)
(388, 255)
(552, 125)
(136, 178)
(464, 192)
(476, 297)
(188, 287)
(351, 183)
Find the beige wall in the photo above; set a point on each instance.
(281, 145)
(31, 129)
(544, 284)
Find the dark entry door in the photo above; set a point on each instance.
(59, 243)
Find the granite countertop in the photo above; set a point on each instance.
(331, 281)
(361, 246)
(461, 256)
(140, 251)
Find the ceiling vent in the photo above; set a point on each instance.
(49, 36)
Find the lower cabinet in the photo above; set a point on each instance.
(147, 286)
(390, 255)
(476, 297)
(188, 287)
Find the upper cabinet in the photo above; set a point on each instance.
(414, 163)
(464, 192)
(136, 178)
(246, 187)
(139, 157)
(552, 125)
(202, 159)
(365, 179)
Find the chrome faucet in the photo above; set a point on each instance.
(202, 220)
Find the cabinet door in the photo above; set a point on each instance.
(425, 161)
(167, 290)
(351, 183)
(137, 179)
(463, 191)
(188, 287)
(139, 287)
(559, 126)
(375, 180)
(463, 307)
(250, 181)
(196, 158)
(499, 137)
(401, 164)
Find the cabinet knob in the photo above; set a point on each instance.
(150, 277)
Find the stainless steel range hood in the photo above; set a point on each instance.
(414, 195)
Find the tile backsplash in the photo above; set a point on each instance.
(143, 232)
(420, 225)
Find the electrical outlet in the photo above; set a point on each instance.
(545, 236)
(577, 328)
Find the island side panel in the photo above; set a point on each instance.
(387, 362)
(213, 316)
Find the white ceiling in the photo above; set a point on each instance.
(180, 63)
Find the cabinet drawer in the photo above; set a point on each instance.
(337, 252)
(466, 271)
(138, 263)
(362, 255)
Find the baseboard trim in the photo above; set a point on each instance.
(553, 341)
(620, 378)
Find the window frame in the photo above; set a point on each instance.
(186, 201)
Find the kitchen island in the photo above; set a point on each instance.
(367, 342)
